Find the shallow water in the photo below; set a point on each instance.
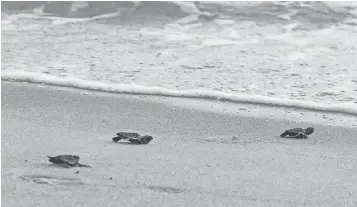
(292, 53)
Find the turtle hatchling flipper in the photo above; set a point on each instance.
(54, 160)
(125, 135)
(135, 141)
(299, 136)
(81, 165)
(141, 140)
(117, 139)
(283, 134)
(66, 165)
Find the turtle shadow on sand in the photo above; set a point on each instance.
(52, 165)
(292, 138)
(51, 180)
(228, 139)
(42, 165)
(59, 161)
(165, 189)
(124, 143)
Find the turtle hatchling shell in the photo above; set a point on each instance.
(128, 135)
(70, 159)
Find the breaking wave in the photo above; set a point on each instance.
(74, 82)
(267, 48)
(309, 15)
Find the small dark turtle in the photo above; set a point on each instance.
(134, 138)
(298, 133)
(141, 140)
(67, 161)
(125, 135)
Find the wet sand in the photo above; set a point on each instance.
(192, 160)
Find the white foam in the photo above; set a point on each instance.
(76, 5)
(184, 20)
(217, 42)
(39, 10)
(60, 20)
(348, 108)
(225, 22)
(57, 20)
(297, 56)
(290, 38)
(290, 27)
(178, 37)
(169, 34)
(13, 17)
(188, 7)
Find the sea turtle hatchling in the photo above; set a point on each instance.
(297, 133)
(132, 137)
(67, 161)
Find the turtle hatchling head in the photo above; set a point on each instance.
(309, 130)
(147, 138)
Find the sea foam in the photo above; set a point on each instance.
(56, 20)
(33, 77)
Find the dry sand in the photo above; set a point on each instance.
(192, 160)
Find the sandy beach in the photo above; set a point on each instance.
(192, 160)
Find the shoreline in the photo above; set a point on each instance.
(250, 109)
(191, 161)
(164, 92)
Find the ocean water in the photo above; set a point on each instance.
(299, 54)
